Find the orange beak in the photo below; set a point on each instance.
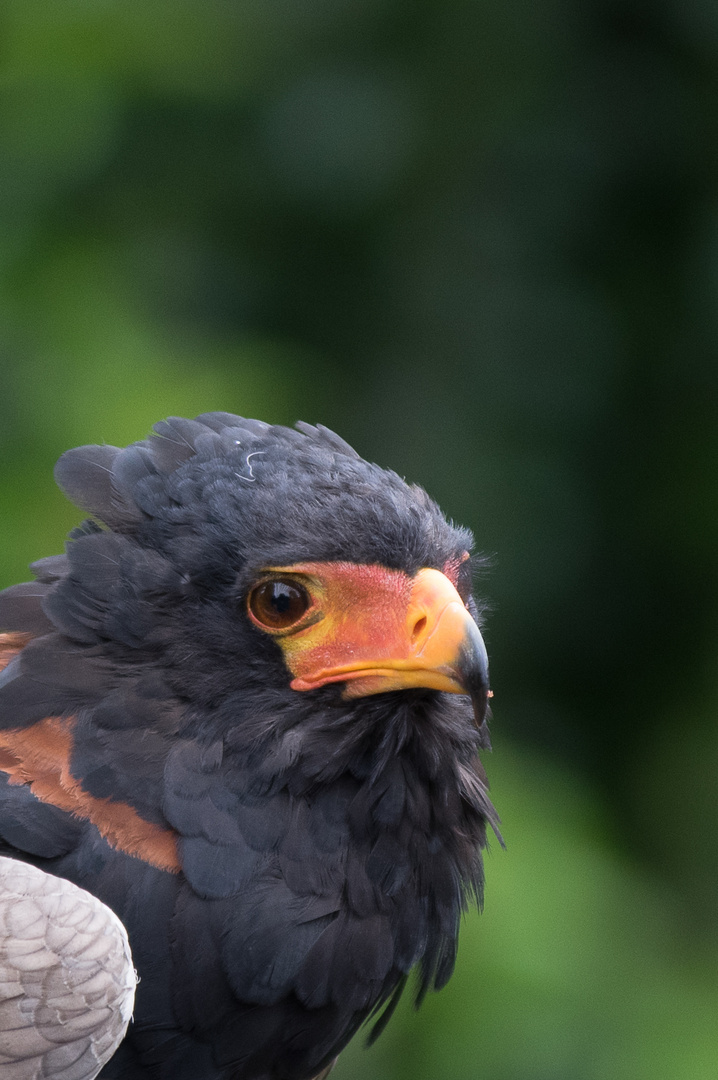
(378, 630)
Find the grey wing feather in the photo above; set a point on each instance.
(67, 984)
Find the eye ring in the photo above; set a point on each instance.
(278, 604)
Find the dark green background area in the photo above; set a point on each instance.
(480, 239)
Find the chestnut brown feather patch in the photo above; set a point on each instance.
(10, 646)
(40, 756)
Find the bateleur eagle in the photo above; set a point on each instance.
(243, 711)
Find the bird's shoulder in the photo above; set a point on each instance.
(80, 736)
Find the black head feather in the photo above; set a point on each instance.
(256, 491)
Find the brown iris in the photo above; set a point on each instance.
(278, 604)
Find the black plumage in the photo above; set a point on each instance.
(281, 859)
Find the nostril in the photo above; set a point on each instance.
(419, 627)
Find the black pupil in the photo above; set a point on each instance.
(283, 596)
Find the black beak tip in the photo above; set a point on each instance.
(480, 703)
(474, 670)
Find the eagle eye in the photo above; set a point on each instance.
(278, 604)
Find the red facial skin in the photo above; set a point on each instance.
(373, 628)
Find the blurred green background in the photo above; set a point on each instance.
(480, 239)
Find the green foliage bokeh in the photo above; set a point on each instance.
(480, 240)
